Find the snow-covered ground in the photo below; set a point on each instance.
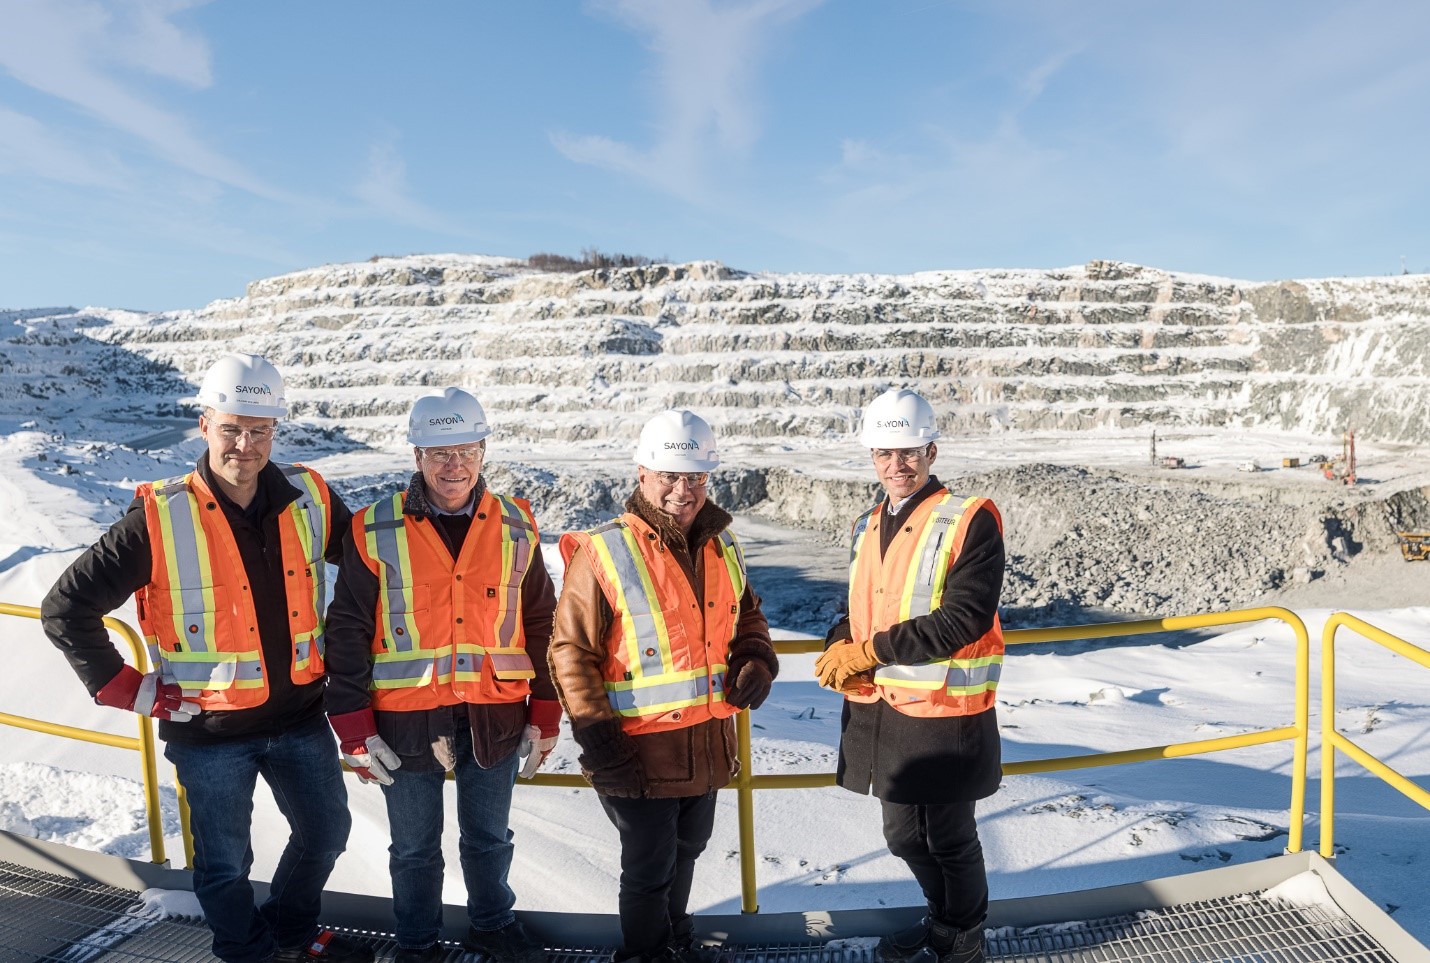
(818, 849)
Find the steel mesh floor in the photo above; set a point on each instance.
(55, 919)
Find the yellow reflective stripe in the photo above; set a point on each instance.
(214, 670)
(664, 693)
(928, 565)
(620, 572)
(397, 670)
(312, 528)
(734, 563)
(187, 563)
(385, 532)
(906, 598)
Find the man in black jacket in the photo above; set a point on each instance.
(918, 659)
(227, 566)
(456, 681)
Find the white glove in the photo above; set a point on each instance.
(163, 700)
(534, 749)
(372, 762)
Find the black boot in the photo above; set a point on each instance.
(956, 946)
(904, 945)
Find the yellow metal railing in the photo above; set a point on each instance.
(144, 743)
(1297, 732)
(747, 781)
(1331, 740)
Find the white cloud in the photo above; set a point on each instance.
(78, 50)
(385, 189)
(28, 148)
(707, 56)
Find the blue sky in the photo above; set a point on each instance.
(162, 153)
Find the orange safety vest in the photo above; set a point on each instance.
(907, 582)
(448, 630)
(197, 611)
(665, 664)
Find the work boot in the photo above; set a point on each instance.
(687, 949)
(326, 947)
(903, 946)
(955, 946)
(428, 954)
(510, 944)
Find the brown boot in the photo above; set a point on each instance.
(956, 946)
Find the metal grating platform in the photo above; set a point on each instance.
(45, 918)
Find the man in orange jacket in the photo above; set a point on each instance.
(918, 660)
(437, 662)
(227, 565)
(659, 641)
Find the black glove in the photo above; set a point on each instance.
(747, 682)
(610, 760)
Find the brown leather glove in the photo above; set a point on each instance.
(747, 682)
(611, 762)
(843, 660)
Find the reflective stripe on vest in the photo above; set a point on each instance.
(193, 657)
(313, 537)
(657, 687)
(401, 660)
(920, 593)
(504, 657)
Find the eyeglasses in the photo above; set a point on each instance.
(908, 456)
(258, 436)
(695, 479)
(440, 456)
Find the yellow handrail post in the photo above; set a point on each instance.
(1328, 743)
(745, 807)
(144, 743)
(1331, 740)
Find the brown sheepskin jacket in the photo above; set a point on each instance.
(681, 762)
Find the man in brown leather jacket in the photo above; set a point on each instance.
(659, 640)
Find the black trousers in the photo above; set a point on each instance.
(939, 841)
(660, 841)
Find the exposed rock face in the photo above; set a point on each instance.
(577, 357)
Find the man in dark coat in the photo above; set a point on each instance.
(228, 566)
(918, 659)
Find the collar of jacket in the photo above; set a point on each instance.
(710, 521)
(416, 502)
(279, 491)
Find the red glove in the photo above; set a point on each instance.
(543, 726)
(147, 695)
(363, 749)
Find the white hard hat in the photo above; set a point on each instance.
(244, 384)
(899, 418)
(447, 417)
(677, 440)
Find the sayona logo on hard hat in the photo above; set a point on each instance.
(894, 423)
(452, 419)
(252, 390)
(691, 445)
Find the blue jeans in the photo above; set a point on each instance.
(414, 816)
(302, 769)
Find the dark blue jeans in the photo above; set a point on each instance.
(302, 768)
(414, 817)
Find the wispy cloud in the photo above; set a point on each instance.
(385, 189)
(27, 147)
(707, 60)
(82, 51)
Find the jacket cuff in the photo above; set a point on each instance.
(753, 648)
(604, 744)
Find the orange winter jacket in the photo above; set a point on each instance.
(666, 655)
(197, 611)
(448, 630)
(908, 581)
